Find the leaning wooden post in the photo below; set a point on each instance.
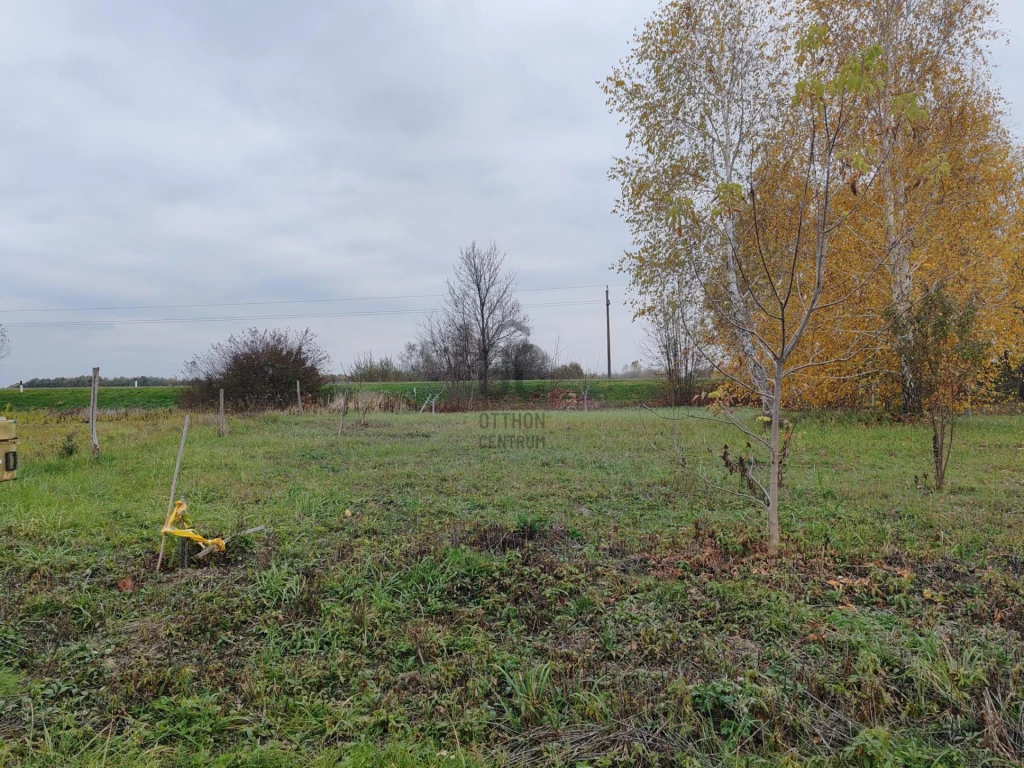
(174, 487)
(344, 409)
(223, 425)
(92, 413)
(298, 394)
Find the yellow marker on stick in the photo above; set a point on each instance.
(178, 518)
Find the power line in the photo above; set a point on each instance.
(167, 320)
(269, 303)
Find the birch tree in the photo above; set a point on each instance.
(797, 205)
(759, 247)
(936, 63)
(695, 94)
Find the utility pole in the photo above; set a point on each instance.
(608, 327)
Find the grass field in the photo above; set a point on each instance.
(574, 600)
(109, 397)
(618, 392)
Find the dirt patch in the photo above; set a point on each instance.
(498, 539)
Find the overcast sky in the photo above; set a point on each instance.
(197, 152)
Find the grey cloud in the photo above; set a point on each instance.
(256, 150)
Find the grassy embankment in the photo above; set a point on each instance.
(577, 602)
(618, 392)
(109, 397)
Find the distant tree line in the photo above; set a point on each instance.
(519, 361)
(69, 382)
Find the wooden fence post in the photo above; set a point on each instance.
(298, 394)
(223, 425)
(174, 486)
(344, 410)
(94, 396)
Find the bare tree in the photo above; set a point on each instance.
(673, 323)
(365, 368)
(446, 339)
(556, 360)
(583, 382)
(5, 343)
(481, 302)
(342, 410)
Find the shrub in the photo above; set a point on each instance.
(365, 369)
(257, 370)
(69, 447)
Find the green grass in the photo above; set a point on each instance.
(109, 397)
(618, 392)
(581, 602)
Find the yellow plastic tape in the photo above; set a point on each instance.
(178, 518)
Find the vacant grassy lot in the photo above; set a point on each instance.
(576, 599)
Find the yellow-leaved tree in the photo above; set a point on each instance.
(818, 178)
(946, 206)
(743, 185)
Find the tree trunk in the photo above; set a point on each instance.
(911, 390)
(93, 415)
(757, 371)
(773, 482)
(758, 374)
(901, 285)
(222, 424)
(897, 243)
(943, 421)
